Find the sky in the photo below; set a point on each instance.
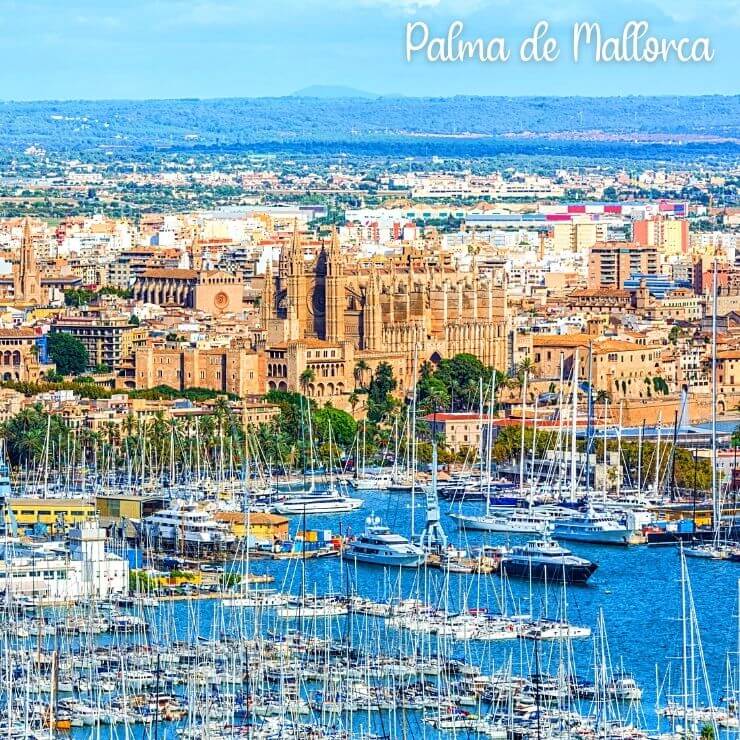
(101, 49)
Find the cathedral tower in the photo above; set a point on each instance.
(372, 316)
(335, 298)
(26, 275)
(297, 297)
(267, 306)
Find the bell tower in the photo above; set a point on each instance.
(295, 266)
(267, 307)
(26, 275)
(334, 292)
(372, 317)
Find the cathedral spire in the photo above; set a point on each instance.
(196, 253)
(26, 275)
(296, 286)
(372, 316)
(334, 291)
(295, 258)
(268, 295)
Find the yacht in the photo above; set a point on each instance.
(378, 545)
(187, 524)
(372, 482)
(520, 521)
(546, 560)
(710, 550)
(317, 502)
(592, 526)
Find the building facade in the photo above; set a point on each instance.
(409, 304)
(611, 264)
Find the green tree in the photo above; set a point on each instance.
(343, 426)
(67, 352)
(353, 400)
(78, 297)
(379, 399)
(461, 376)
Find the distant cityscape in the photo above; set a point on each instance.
(279, 397)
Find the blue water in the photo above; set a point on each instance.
(637, 588)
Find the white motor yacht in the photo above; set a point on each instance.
(317, 502)
(593, 526)
(187, 524)
(378, 545)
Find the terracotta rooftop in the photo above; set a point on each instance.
(561, 340)
(17, 334)
(619, 345)
(175, 273)
(460, 416)
(601, 292)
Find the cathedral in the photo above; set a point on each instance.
(408, 305)
(29, 284)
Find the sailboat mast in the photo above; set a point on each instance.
(412, 440)
(715, 493)
(574, 422)
(521, 446)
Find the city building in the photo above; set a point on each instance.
(239, 371)
(411, 303)
(20, 356)
(459, 430)
(258, 526)
(54, 515)
(611, 264)
(57, 571)
(109, 340)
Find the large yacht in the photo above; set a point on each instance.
(546, 560)
(317, 502)
(535, 520)
(186, 524)
(593, 526)
(378, 545)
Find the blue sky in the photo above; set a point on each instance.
(61, 49)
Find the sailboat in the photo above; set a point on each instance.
(366, 481)
(529, 520)
(328, 501)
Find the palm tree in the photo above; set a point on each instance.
(602, 397)
(353, 399)
(436, 398)
(306, 378)
(361, 367)
(526, 366)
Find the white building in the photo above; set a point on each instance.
(56, 571)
